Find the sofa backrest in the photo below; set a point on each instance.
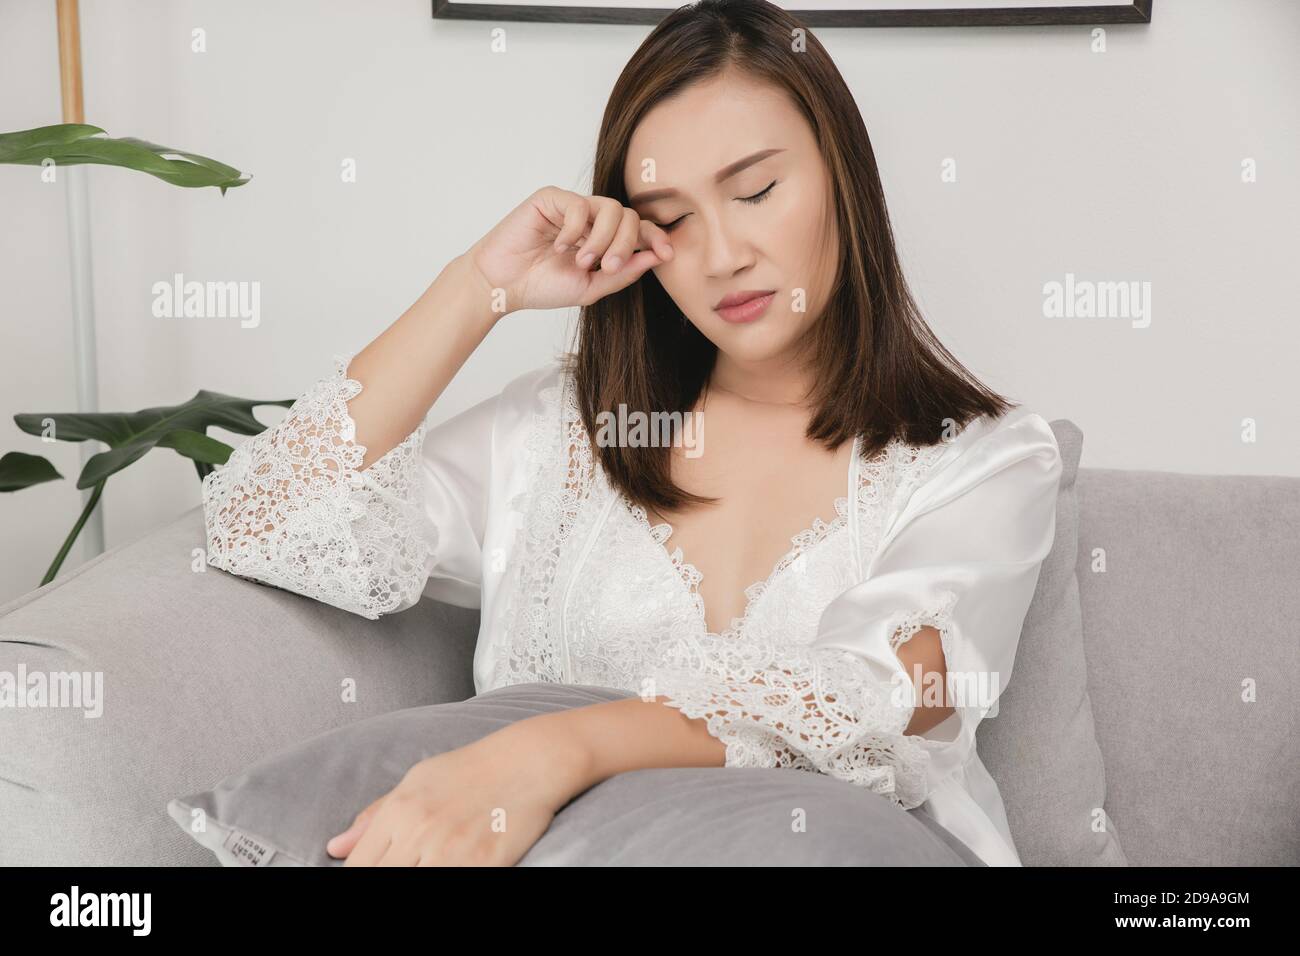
(1190, 590)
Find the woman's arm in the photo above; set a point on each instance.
(621, 735)
(487, 803)
(344, 500)
(361, 515)
(527, 261)
(410, 364)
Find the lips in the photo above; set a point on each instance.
(740, 298)
(744, 306)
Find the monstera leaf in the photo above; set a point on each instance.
(73, 144)
(19, 470)
(130, 436)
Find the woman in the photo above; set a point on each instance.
(863, 527)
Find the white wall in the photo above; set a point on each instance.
(1123, 165)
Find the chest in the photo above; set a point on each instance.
(773, 499)
(627, 596)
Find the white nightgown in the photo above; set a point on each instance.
(505, 508)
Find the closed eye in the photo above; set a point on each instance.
(753, 200)
(759, 197)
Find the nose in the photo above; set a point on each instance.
(726, 250)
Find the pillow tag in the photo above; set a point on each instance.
(247, 851)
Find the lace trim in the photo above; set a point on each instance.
(548, 512)
(916, 465)
(814, 709)
(811, 708)
(292, 507)
(939, 618)
(896, 458)
(691, 577)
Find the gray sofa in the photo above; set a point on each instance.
(206, 673)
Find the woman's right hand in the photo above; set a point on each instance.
(520, 257)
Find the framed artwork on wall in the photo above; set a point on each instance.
(820, 13)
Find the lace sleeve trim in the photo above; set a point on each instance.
(939, 618)
(293, 508)
(815, 709)
(561, 463)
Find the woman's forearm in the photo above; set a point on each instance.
(621, 735)
(406, 368)
(593, 743)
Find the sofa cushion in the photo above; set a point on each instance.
(1041, 747)
(201, 673)
(283, 810)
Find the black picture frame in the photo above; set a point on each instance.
(972, 13)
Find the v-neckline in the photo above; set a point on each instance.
(690, 577)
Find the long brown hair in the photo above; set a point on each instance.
(880, 371)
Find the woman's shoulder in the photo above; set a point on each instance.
(532, 411)
(1021, 424)
(538, 390)
(536, 378)
(1018, 425)
(1018, 433)
(985, 443)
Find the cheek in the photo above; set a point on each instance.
(681, 273)
(803, 221)
(805, 240)
(668, 272)
(673, 277)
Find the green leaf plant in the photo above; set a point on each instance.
(74, 144)
(129, 437)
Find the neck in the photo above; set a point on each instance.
(774, 381)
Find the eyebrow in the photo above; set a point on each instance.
(722, 175)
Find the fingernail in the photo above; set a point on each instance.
(612, 263)
(586, 259)
(561, 247)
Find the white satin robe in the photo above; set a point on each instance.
(485, 511)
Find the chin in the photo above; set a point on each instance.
(753, 342)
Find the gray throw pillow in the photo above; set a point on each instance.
(1041, 747)
(282, 810)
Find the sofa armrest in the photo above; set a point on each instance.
(181, 674)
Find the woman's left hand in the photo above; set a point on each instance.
(484, 804)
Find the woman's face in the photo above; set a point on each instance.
(730, 169)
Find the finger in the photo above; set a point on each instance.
(624, 242)
(341, 844)
(550, 202)
(373, 845)
(577, 213)
(609, 215)
(656, 238)
(604, 283)
(357, 826)
(400, 854)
